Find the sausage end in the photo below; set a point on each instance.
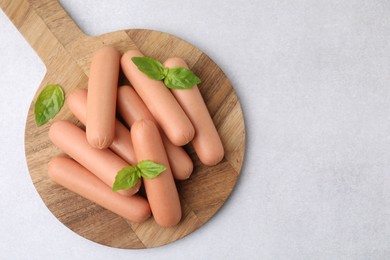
(183, 137)
(100, 142)
(169, 221)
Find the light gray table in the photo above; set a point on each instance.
(313, 78)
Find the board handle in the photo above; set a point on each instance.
(44, 24)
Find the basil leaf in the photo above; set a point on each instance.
(48, 104)
(180, 78)
(126, 178)
(149, 169)
(174, 78)
(151, 67)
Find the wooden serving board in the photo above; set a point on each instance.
(67, 52)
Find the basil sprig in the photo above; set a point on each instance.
(48, 104)
(127, 177)
(174, 78)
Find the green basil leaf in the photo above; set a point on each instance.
(48, 104)
(151, 67)
(180, 78)
(149, 169)
(126, 178)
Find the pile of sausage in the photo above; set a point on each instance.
(161, 121)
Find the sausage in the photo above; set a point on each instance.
(122, 144)
(104, 163)
(207, 143)
(102, 86)
(131, 107)
(76, 178)
(161, 191)
(160, 102)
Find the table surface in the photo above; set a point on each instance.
(313, 81)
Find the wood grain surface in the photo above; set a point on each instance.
(67, 52)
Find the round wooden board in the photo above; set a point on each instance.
(67, 55)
